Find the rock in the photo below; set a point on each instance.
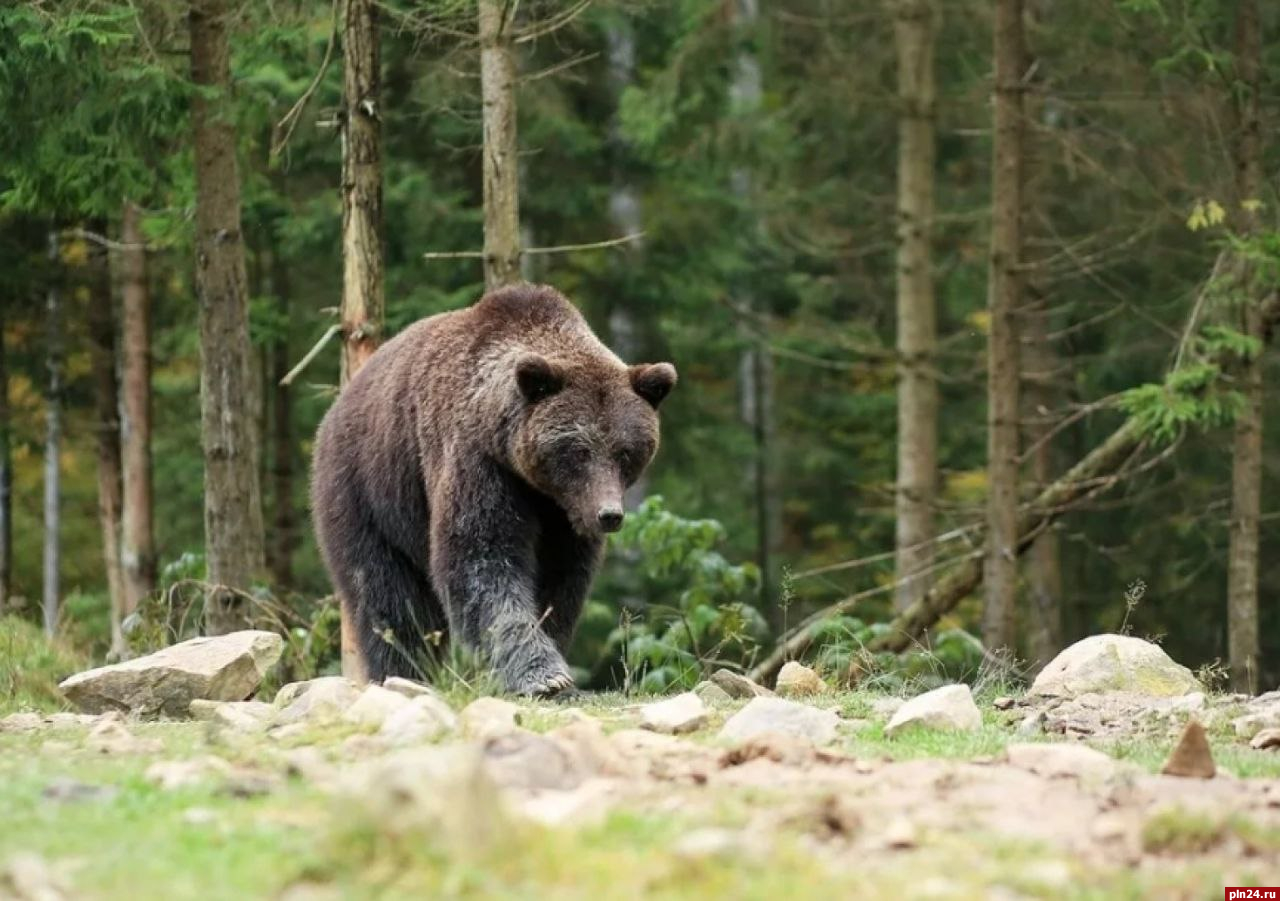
(795, 680)
(199, 816)
(320, 700)
(1061, 760)
(309, 764)
(27, 877)
(764, 715)
(791, 750)
(488, 717)
(738, 686)
(949, 709)
(407, 687)
(1266, 739)
(424, 719)
(1191, 757)
(711, 693)
(710, 842)
(886, 707)
(111, 737)
(1032, 724)
(240, 717)
(900, 834)
(65, 790)
(530, 761)
(175, 774)
(1192, 703)
(1251, 724)
(222, 668)
(674, 716)
(371, 709)
(594, 751)
(75, 720)
(1103, 663)
(1003, 703)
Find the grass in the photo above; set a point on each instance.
(31, 667)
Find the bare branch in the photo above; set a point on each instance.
(289, 123)
(311, 354)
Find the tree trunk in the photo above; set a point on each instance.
(137, 555)
(1004, 290)
(1246, 469)
(228, 385)
(53, 438)
(915, 23)
(6, 478)
(363, 310)
(284, 530)
(102, 355)
(501, 170)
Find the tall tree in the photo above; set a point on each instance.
(228, 387)
(137, 543)
(52, 440)
(6, 474)
(501, 166)
(915, 26)
(363, 304)
(1246, 469)
(1004, 297)
(102, 355)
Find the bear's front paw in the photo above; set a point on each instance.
(543, 683)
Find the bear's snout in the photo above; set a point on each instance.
(610, 518)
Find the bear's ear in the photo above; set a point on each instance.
(537, 378)
(653, 381)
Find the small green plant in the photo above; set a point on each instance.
(31, 666)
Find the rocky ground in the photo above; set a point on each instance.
(168, 787)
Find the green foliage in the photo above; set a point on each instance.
(842, 641)
(1192, 397)
(31, 666)
(693, 609)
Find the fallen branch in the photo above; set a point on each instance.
(532, 251)
(311, 355)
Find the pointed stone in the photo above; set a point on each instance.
(1191, 757)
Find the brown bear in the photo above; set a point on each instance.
(463, 483)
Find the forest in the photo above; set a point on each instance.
(971, 302)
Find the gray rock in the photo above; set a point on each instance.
(1251, 724)
(424, 719)
(527, 760)
(764, 715)
(371, 709)
(1032, 724)
(949, 708)
(222, 668)
(175, 774)
(711, 693)
(1061, 760)
(407, 687)
(317, 701)
(488, 717)
(21, 722)
(739, 686)
(1106, 663)
(795, 680)
(1266, 739)
(233, 716)
(674, 716)
(886, 707)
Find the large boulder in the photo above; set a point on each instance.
(1102, 663)
(221, 668)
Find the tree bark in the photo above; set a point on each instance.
(363, 309)
(52, 440)
(501, 169)
(102, 354)
(1246, 469)
(915, 24)
(1004, 296)
(6, 477)
(137, 554)
(229, 392)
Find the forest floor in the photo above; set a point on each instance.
(579, 803)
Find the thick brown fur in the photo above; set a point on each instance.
(463, 482)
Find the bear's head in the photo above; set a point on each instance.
(586, 432)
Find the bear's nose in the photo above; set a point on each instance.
(610, 518)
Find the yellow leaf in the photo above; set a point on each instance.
(1197, 219)
(1252, 205)
(1217, 215)
(980, 320)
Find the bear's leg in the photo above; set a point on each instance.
(567, 564)
(394, 609)
(484, 566)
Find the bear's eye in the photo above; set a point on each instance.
(575, 454)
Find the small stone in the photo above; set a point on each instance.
(711, 693)
(950, 708)
(487, 717)
(424, 719)
(1003, 703)
(21, 722)
(373, 707)
(795, 680)
(900, 834)
(674, 716)
(65, 790)
(233, 716)
(319, 701)
(1061, 760)
(307, 763)
(247, 783)
(762, 715)
(1192, 703)
(709, 842)
(111, 737)
(1106, 663)
(175, 774)
(221, 668)
(294, 690)
(739, 686)
(27, 877)
(1191, 757)
(886, 707)
(530, 761)
(1251, 724)
(1032, 724)
(1267, 739)
(407, 687)
(199, 816)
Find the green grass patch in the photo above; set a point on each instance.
(31, 666)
